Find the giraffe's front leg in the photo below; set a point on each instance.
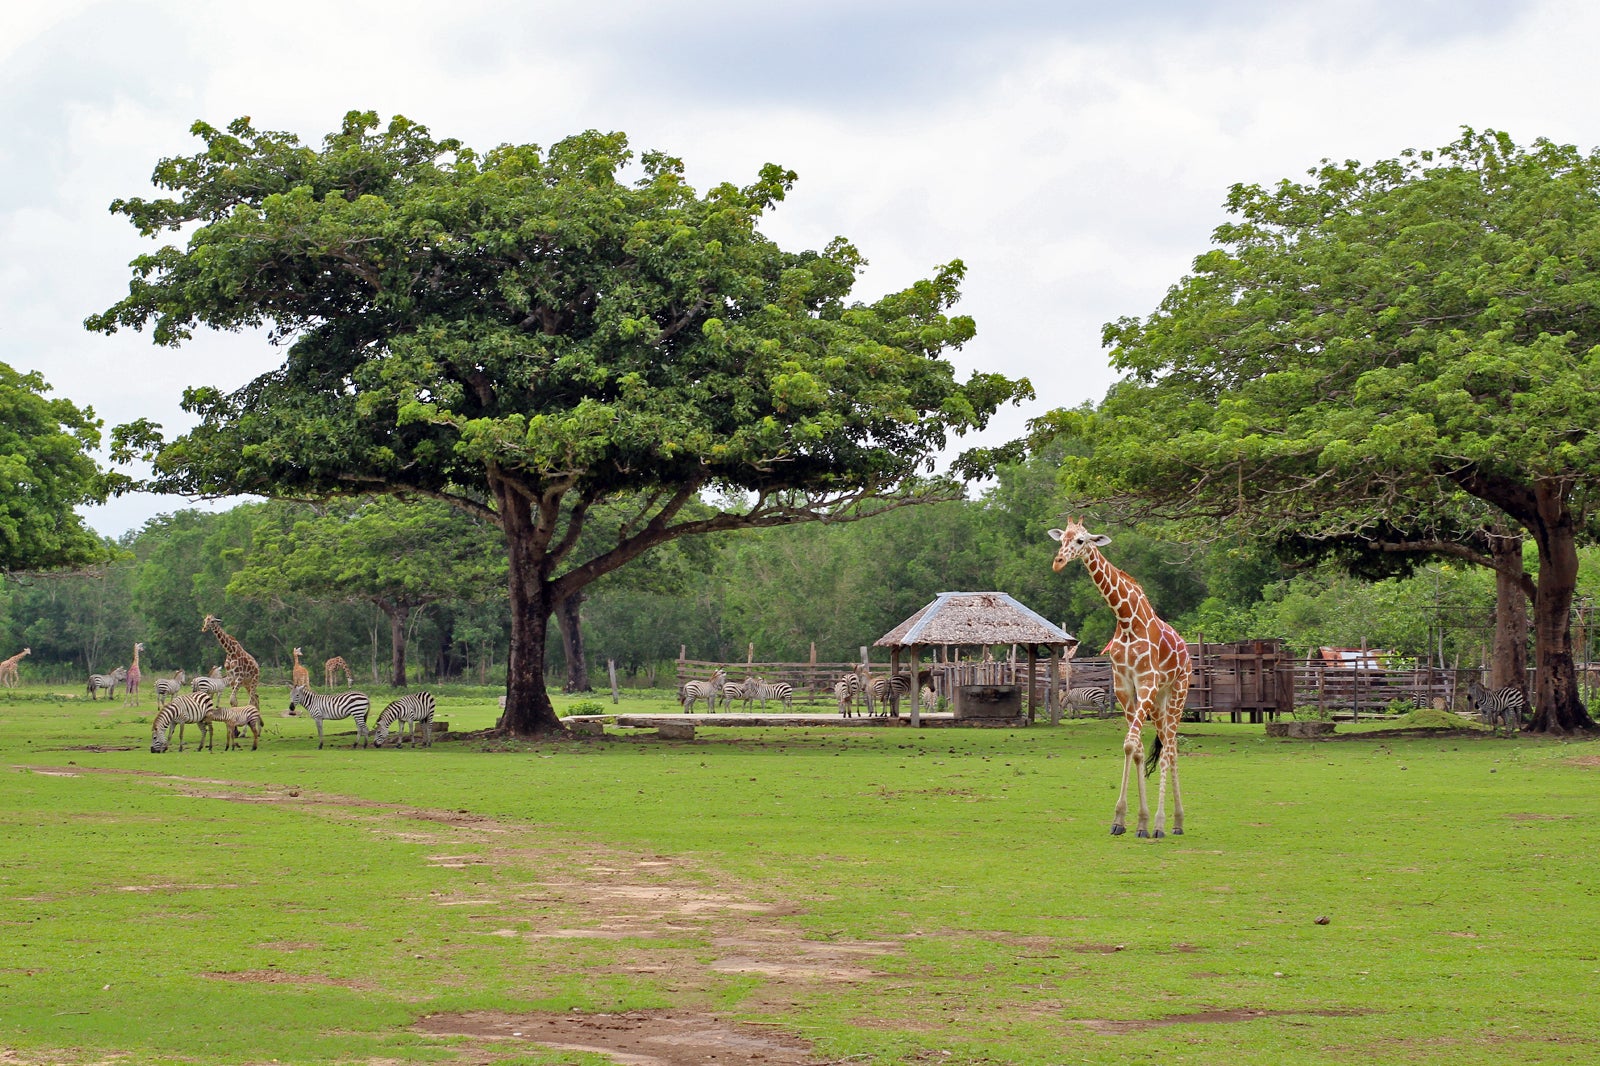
(1132, 758)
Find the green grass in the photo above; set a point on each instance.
(309, 906)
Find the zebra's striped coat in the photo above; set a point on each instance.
(408, 710)
(781, 691)
(1497, 705)
(339, 705)
(844, 691)
(691, 692)
(193, 709)
(109, 682)
(235, 720)
(1088, 698)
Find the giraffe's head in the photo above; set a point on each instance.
(211, 624)
(1074, 539)
(138, 647)
(297, 651)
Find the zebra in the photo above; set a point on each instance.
(844, 691)
(692, 691)
(886, 689)
(1086, 698)
(235, 720)
(1495, 705)
(407, 710)
(744, 690)
(781, 691)
(213, 683)
(194, 709)
(341, 705)
(168, 687)
(109, 682)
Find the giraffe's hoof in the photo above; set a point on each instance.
(1143, 834)
(1177, 832)
(1158, 834)
(1118, 830)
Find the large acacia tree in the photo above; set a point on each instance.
(1407, 351)
(529, 335)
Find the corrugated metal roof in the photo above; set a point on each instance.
(974, 618)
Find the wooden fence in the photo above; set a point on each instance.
(1231, 682)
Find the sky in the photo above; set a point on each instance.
(1074, 155)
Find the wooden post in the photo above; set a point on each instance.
(813, 653)
(916, 692)
(1033, 663)
(894, 669)
(611, 668)
(750, 657)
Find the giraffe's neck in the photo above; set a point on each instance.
(136, 657)
(1123, 594)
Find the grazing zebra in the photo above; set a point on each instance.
(235, 720)
(341, 705)
(781, 691)
(844, 691)
(1088, 698)
(691, 692)
(407, 710)
(194, 709)
(1495, 705)
(109, 682)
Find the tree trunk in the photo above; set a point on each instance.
(528, 708)
(571, 627)
(397, 644)
(1557, 706)
(1509, 664)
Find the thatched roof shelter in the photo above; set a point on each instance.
(975, 618)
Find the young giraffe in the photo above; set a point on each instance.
(9, 675)
(299, 675)
(1150, 668)
(130, 688)
(331, 668)
(239, 665)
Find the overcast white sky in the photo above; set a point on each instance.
(1075, 154)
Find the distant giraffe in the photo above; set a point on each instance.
(1150, 667)
(240, 666)
(130, 690)
(331, 668)
(299, 675)
(9, 676)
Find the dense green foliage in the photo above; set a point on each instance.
(1407, 351)
(836, 585)
(45, 471)
(533, 336)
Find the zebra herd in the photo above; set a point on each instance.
(198, 708)
(847, 691)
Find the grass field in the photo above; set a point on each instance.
(801, 896)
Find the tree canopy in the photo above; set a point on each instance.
(1410, 347)
(528, 335)
(46, 471)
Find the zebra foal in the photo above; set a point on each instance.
(235, 720)
(340, 705)
(407, 711)
(193, 709)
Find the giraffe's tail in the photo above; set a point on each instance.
(1154, 760)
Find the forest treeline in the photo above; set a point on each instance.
(352, 578)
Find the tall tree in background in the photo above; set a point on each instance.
(397, 556)
(528, 336)
(1395, 343)
(46, 471)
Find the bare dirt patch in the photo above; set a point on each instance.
(637, 1038)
